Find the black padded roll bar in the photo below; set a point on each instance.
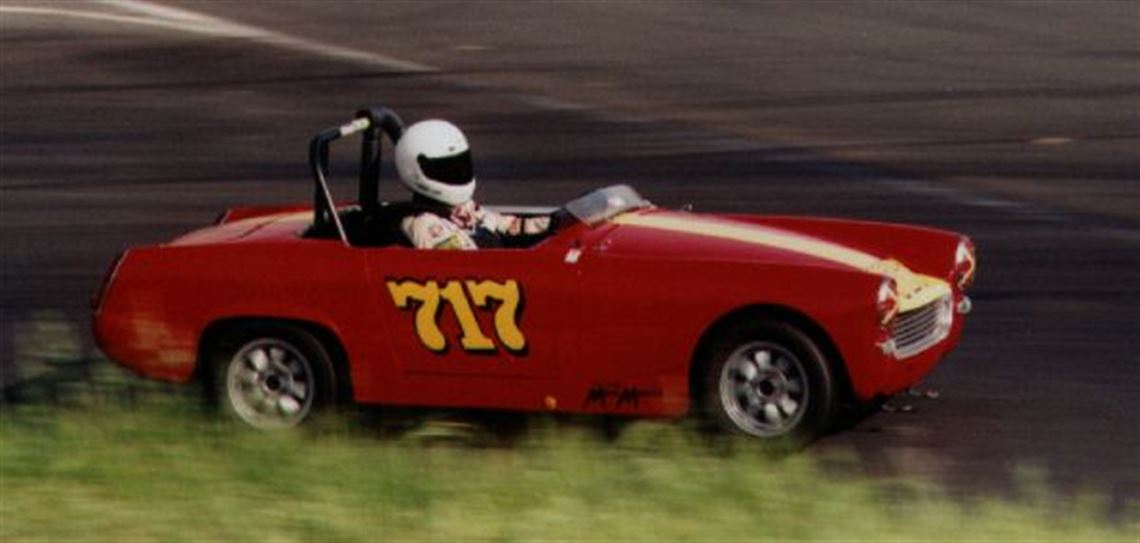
(370, 122)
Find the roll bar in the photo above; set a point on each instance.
(370, 122)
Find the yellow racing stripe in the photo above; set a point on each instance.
(755, 236)
(915, 290)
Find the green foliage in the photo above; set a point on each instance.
(163, 470)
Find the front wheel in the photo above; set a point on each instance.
(272, 376)
(768, 380)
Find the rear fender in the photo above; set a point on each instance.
(246, 212)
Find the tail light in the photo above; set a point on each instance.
(105, 282)
(965, 264)
(887, 302)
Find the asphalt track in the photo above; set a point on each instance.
(126, 122)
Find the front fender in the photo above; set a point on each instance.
(924, 250)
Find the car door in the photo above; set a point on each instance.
(486, 328)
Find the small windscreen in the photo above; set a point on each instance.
(605, 203)
(452, 170)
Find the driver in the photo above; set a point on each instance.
(434, 161)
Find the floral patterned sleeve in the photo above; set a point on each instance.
(430, 231)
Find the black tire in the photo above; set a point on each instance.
(611, 428)
(271, 375)
(787, 397)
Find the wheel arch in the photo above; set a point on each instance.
(774, 312)
(325, 335)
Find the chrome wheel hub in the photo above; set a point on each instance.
(269, 384)
(764, 389)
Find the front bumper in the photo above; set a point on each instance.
(877, 369)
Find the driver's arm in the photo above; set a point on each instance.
(501, 224)
(515, 231)
(512, 225)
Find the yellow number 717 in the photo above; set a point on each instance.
(428, 296)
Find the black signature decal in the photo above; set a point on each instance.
(618, 396)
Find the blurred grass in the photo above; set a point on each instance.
(157, 468)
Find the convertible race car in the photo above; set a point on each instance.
(763, 325)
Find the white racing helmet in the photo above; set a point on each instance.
(434, 160)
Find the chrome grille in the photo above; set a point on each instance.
(915, 330)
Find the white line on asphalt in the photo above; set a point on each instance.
(168, 13)
(155, 15)
(105, 17)
(198, 20)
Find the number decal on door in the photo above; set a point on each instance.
(427, 299)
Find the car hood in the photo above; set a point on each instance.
(772, 244)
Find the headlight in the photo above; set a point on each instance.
(887, 302)
(965, 264)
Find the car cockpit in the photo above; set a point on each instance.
(372, 223)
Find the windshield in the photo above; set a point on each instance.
(605, 203)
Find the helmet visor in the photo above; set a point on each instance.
(450, 170)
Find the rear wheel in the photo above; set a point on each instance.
(272, 376)
(768, 380)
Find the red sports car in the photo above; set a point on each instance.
(764, 325)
